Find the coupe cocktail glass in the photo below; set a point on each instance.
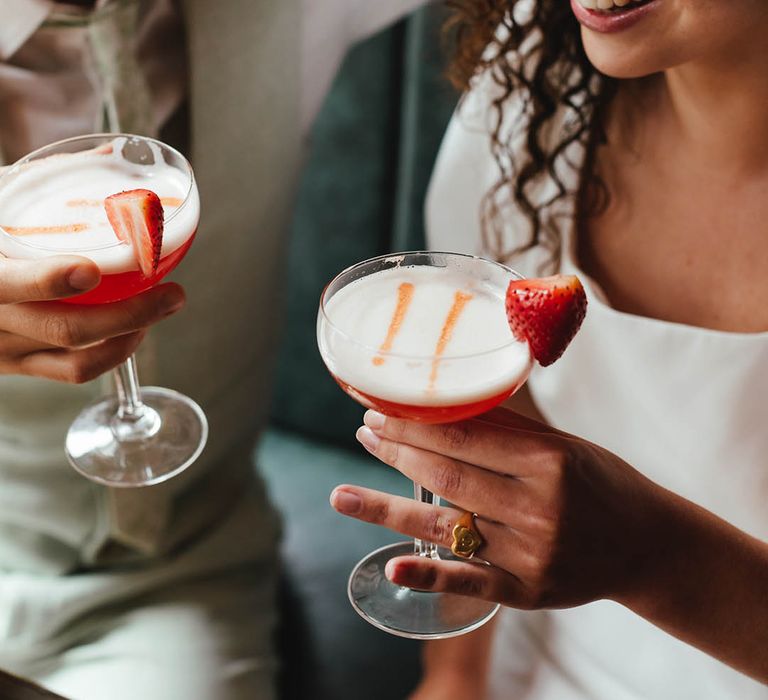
(52, 203)
(422, 336)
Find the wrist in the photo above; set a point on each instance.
(450, 686)
(666, 538)
(688, 556)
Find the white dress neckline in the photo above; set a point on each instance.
(598, 299)
(683, 404)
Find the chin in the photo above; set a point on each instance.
(614, 58)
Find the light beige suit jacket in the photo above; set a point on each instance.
(245, 146)
(247, 68)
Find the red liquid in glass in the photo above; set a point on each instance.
(123, 285)
(428, 414)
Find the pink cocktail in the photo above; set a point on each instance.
(427, 414)
(52, 202)
(422, 336)
(424, 342)
(122, 285)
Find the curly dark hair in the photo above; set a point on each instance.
(537, 53)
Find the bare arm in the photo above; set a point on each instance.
(457, 668)
(706, 584)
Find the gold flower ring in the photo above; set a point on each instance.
(466, 538)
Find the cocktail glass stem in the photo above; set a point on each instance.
(421, 547)
(134, 420)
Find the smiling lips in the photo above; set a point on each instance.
(607, 5)
(611, 16)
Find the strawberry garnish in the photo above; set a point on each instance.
(136, 217)
(546, 313)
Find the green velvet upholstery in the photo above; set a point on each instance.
(373, 147)
(362, 194)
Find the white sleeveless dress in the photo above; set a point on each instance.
(683, 405)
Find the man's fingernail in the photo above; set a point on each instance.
(171, 302)
(83, 277)
(346, 502)
(374, 420)
(368, 438)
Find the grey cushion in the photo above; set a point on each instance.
(329, 653)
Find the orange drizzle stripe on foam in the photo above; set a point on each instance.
(460, 300)
(165, 201)
(32, 230)
(404, 298)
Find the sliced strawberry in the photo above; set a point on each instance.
(136, 217)
(547, 313)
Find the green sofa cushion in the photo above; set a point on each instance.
(362, 194)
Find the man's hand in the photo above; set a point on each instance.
(42, 337)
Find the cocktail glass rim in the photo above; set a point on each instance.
(402, 356)
(84, 137)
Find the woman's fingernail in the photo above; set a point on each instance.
(346, 502)
(374, 420)
(83, 277)
(368, 439)
(411, 573)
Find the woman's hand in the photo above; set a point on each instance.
(564, 522)
(42, 337)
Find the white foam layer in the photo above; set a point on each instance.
(481, 360)
(67, 190)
